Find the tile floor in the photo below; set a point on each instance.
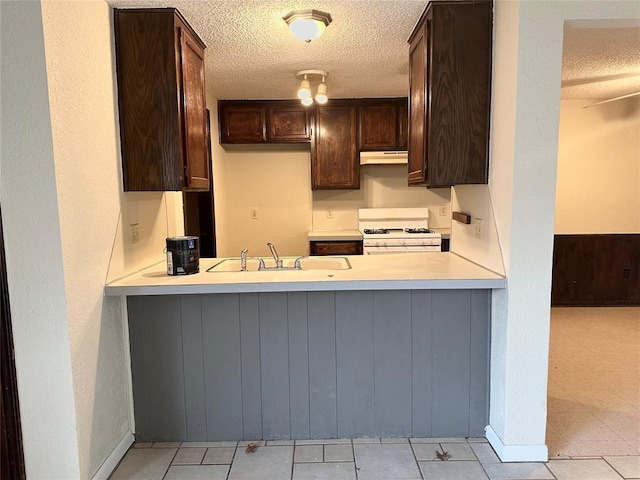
(594, 382)
(593, 430)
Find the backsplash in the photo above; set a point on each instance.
(156, 215)
(381, 186)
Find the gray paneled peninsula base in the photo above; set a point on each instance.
(300, 365)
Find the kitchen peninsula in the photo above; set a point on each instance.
(396, 346)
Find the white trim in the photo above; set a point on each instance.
(127, 360)
(112, 461)
(516, 453)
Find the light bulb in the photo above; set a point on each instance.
(305, 89)
(307, 101)
(321, 94)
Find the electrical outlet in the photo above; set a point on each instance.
(329, 213)
(477, 228)
(254, 213)
(442, 211)
(134, 233)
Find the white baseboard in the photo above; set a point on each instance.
(110, 464)
(516, 453)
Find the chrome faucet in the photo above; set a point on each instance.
(276, 258)
(296, 264)
(243, 260)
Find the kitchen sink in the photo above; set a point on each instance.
(288, 264)
(323, 263)
(233, 265)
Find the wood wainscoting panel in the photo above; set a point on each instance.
(596, 270)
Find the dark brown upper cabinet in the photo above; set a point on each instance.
(334, 156)
(242, 122)
(161, 100)
(449, 94)
(336, 131)
(274, 121)
(288, 122)
(382, 124)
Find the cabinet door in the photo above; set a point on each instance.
(161, 101)
(450, 79)
(378, 126)
(418, 52)
(289, 123)
(459, 83)
(196, 158)
(242, 123)
(145, 46)
(334, 159)
(333, 247)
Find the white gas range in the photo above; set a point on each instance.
(397, 230)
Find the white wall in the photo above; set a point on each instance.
(63, 206)
(598, 187)
(380, 186)
(276, 184)
(94, 217)
(475, 200)
(80, 76)
(158, 215)
(524, 146)
(34, 250)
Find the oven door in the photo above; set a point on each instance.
(382, 249)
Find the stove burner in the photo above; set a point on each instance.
(376, 231)
(417, 230)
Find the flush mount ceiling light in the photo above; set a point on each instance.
(307, 25)
(304, 92)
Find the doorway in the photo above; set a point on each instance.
(594, 362)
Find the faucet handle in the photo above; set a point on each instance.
(274, 253)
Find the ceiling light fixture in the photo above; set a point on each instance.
(307, 25)
(304, 92)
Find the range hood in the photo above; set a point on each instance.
(383, 158)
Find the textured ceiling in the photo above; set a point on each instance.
(600, 59)
(252, 55)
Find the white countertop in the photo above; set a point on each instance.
(334, 235)
(433, 270)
